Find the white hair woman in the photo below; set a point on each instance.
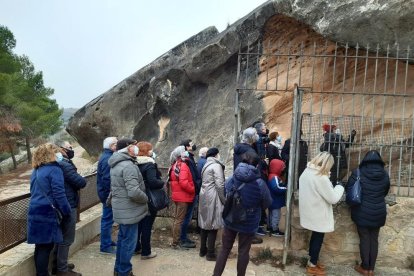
(316, 196)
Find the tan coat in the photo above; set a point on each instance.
(211, 198)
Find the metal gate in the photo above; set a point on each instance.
(309, 85)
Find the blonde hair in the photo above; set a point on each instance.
(44, 154)
(323, 162)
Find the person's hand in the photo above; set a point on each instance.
(353, 132)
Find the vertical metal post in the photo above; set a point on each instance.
(236, 103)
(297, 102)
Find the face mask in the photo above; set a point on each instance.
(194, 147)
(185, 155)
(70, 153)
(218, 157)
(337, 131)
(59, 156)
(136, 150)
(279, 138)
(153, 155)
(267, 131)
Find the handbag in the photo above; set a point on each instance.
(58, 213)
(157, 199)
(353, 195)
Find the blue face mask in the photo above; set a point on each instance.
(59, 156)
(153, 155)
(279, 138)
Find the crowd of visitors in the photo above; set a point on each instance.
(129, 185)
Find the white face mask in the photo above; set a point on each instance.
(136, 150)
(337, 131)
(218, 156)
(59, 156)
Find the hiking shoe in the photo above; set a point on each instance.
(111, 251)
(150, 256)
(188, 245)
(315, 271)
(360, 270)
(257, 240)
(70, 268)
(277, 233)
(260, 232)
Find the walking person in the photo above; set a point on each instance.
(153, 181)
(211, 203)
(370, 215)
(103, 184)
(129, 202)
(73, 183)
(316, 196)
(182, 194)
(254, 196)
(47, 192)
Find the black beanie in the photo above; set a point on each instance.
(212, 152)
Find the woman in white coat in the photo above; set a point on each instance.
(211, 203)
(316, 196)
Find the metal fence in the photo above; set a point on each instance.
(308, 84)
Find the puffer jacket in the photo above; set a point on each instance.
(275, 184)
(73, 181)
(211, 198)
(129, 201)
(46, 188)
(182, 186)
(375, 185)
(254, 195)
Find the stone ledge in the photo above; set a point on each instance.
(18, 261)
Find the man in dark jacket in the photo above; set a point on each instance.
(303, 156)
(190, 147)
(73, 183)
(249, 137)
(103, 184)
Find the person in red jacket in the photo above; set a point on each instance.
(182, 193)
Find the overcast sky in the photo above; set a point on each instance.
(84, 47)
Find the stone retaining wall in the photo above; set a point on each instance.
(396, 239)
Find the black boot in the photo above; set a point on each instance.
(211, 245)
(203, 242)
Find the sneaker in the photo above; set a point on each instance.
(315, 271)
(111, 251)
(277, 233)
(150, 256)
(70, 268)
(260, 232)
(178, 247)
(257, 240)
(188, 244)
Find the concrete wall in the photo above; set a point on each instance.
(396, 239)
(19, 260)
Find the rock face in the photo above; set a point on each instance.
(189, 91)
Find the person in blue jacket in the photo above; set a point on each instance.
(47, 192)
(254, 196)
(278, 191)
(73, 183)
(103, 185)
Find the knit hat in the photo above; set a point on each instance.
(144, 148)
(328, 128)
(125, 142)
(212, 152)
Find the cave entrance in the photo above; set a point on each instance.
(306, 85)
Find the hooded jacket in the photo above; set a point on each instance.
(275, 184)
(239, 150)
(129, 201)
(182, 185)
(254, 195)
(375, 185)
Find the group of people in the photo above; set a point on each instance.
(127, 170)
(52, 215)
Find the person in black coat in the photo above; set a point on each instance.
(153, 181)
(303, 155)
(371, 214)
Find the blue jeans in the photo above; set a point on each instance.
(61, 251)
(144, 235)
(127, 239)
(187, 219)
(274, 218)
(106, 228)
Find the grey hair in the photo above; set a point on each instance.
(249, 135)
(202, 152)
(176, 153)
(259, 126)
(61, 143)
(108, 141)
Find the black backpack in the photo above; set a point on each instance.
(233, 211)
